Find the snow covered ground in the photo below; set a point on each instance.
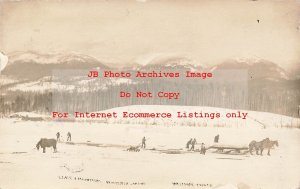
(252, 118)
(99, 154)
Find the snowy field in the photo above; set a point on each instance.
(99, 154)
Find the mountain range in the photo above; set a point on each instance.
(33, 65)
(267, 87)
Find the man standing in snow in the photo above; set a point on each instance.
(58, 136)
(69, 136)
(193, 144)
(189, 143)
(216, 140)
(203, 150)
(144, 142)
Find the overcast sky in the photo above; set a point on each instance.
(126, 31)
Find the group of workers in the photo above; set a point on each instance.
(193, 142)
(58, 138)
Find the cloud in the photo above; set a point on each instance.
(209, 31)
(142, 1)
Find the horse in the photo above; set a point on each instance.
(261, 145)
(44, 142)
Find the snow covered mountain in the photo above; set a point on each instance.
(3, 61)
(51, 58)
(32, 65)
(171, 63)
(295, 71)
(257, 68)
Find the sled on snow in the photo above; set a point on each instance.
(134, 148)
(229, 149)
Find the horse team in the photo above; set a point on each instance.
(261, 145)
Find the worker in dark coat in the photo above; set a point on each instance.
(189, 143)
(203, 150)
(193, 144)
(216, 140)
(69, 136)
(144, 142)
(58, 136)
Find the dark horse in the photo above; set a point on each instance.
(264, 144)
(44, 142)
